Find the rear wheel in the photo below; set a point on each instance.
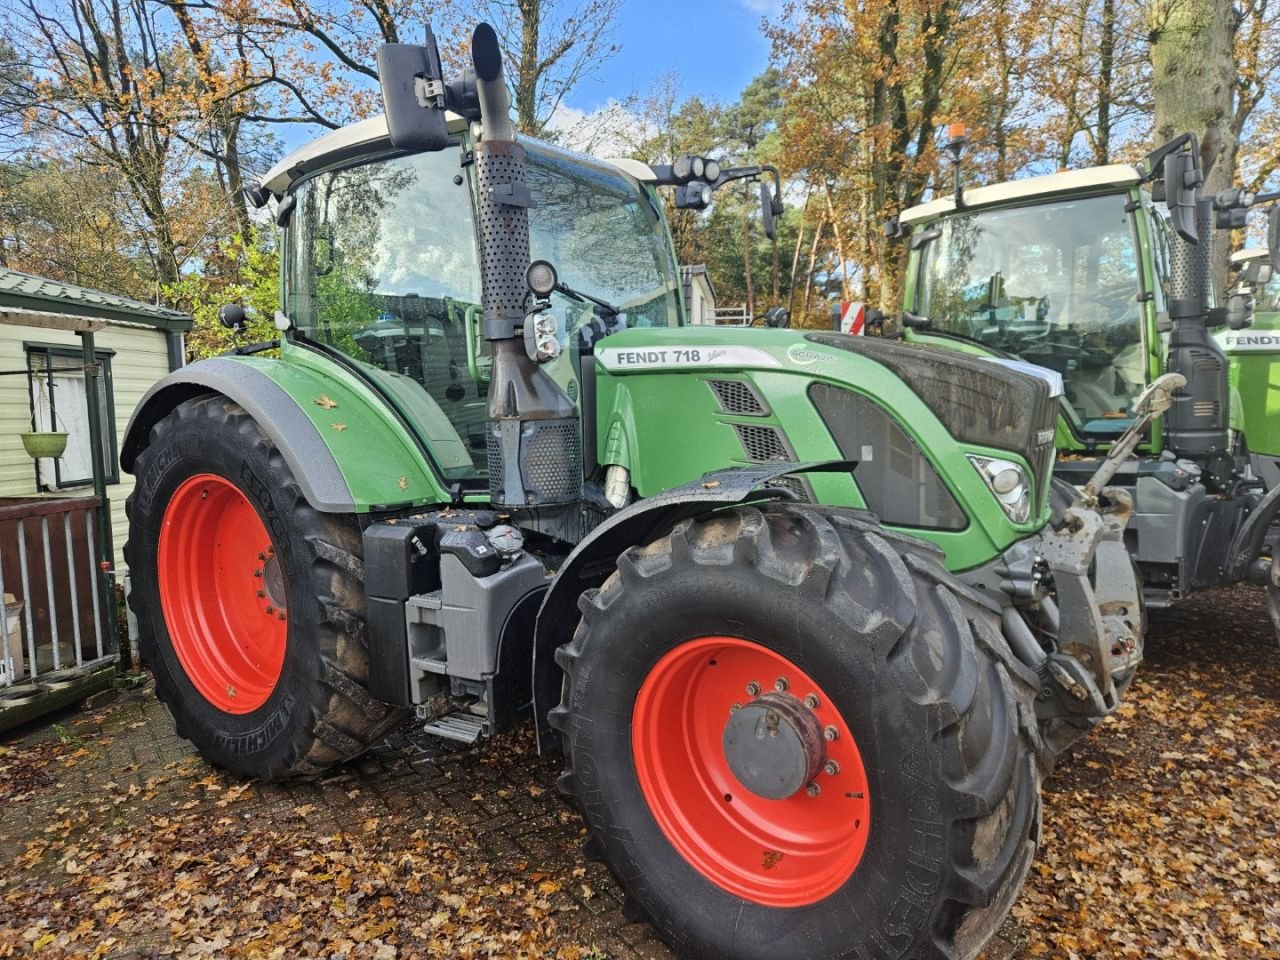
(250, 604)
(791, 737)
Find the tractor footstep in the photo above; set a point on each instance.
(461, 727)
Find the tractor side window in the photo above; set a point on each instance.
(382, 265)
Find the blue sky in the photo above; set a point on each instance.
(714, 47)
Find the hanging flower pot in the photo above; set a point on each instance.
(45, 443)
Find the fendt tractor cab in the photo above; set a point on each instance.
(1104, 275)
(1253, 363)
(791, 604)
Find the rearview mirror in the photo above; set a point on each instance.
(766, 211)
(413, 94)
(1182, 179)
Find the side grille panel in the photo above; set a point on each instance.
(738, 398)
(762, 444)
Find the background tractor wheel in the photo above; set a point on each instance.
(791, 736)
(250, 604)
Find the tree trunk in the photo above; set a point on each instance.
(526, 86)
(813, 256)
(1106, 72)
(839, 235)
(746, 248)
(795, 255)
(1193, 76)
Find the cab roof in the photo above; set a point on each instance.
(369, 136)
(1068, 181)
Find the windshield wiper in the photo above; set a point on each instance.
(609, 309)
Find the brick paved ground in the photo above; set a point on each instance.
(118, 769)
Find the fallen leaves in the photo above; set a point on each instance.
(324, 401)
(1160, 838)
(1160, 833)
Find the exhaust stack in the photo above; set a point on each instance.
(1196, 425)
(533, 438)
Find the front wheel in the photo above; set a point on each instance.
(791, 738)
(250, 603)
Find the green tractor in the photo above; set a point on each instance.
(1104, 275)
(1252, 370)
(792, 605)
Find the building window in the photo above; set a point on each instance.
(59, 401)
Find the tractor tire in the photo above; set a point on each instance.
(893, 809)
(250, 603)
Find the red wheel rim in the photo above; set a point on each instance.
(783, 853)
(222, 593)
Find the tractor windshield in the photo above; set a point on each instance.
(381, 264)
(1056, 284)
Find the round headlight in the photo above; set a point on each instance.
(541, 278)
(545, 326)
(711, 170)
(1006, 481)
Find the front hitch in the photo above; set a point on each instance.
(1099, 599)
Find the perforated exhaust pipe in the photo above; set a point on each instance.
(533, 440)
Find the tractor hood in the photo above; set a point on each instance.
(921, 423)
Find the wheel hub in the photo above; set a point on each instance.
(774, 746)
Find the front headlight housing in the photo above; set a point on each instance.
(1008, 483)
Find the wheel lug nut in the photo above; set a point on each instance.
(831, 768)
(831, 734)
(753, 689)
(813, 790)
(735, 708)
(811, 701)
(280, 616)
(270, 609)
(781, 684)
(261, 555)
(262, 593)
(258, 574)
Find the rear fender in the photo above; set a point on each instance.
(595, 558)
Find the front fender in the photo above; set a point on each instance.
(594, 559)
(347, 451)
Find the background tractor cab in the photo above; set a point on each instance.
(1103, 274)
(1253, 358)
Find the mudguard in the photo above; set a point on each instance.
(594, 559)
(341, 443)
(1252, 535)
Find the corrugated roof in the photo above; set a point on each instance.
(21, 291)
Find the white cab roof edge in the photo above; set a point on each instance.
(1252, 253)
(635, 168)
(1112, 175)
(372, 133)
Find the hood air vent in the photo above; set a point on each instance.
(738, 397)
